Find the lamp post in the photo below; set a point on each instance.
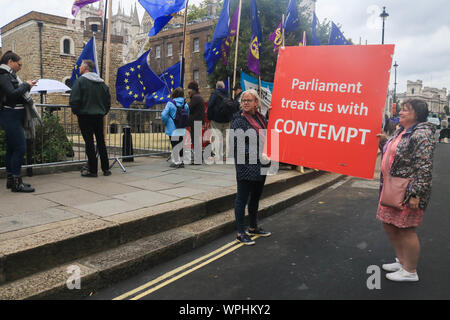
(395, 86)
(383, 16)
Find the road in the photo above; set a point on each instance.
(328, 247)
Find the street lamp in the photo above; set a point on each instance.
(383, 16)
(395, 86)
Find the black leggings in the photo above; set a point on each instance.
(247, 191)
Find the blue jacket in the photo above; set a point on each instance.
(169, 114)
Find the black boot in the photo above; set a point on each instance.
(19, 186)
(10, 181)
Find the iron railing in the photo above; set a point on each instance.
(59, 140)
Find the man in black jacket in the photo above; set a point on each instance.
(196, 115)
(90, 101)
(219, 121)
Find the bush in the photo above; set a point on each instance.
(51, 144)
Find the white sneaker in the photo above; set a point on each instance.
(402, 275)
(392, 267)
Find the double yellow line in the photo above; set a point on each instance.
(174, 275)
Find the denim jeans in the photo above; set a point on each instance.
(247, 191)
(11, 120)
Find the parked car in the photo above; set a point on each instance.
(434, 120)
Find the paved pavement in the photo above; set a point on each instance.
(66, 198)
(111, 226)
(320, 248)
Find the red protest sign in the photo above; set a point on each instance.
(327, 107)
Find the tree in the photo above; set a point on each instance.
(270, 13)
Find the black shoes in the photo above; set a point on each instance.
(258, 232)
(89, 175)
(19, 186)
(107, 173)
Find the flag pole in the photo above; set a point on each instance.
(108, 55)
(282, 30)
(104, 36)
(182, 64)
(237, 47)
(108, 43)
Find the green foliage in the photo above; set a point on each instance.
(270, 13)
(447, 110)
(51, 144)
(195, 12)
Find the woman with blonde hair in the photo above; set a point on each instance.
(248, 156)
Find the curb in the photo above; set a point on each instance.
(100, 269)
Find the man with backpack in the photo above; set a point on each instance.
(220, 113)
(175, 117)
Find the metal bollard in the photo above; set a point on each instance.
(127, 144)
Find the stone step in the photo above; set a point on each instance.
(49, 248)
(104, 268)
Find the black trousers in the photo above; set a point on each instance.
(90, 126)
(248, 192)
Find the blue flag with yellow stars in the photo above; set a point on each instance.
(135, 80)
(213, 49)
(162, 11)
(89, 53)
(336, 36)
(171, 79)
(315, 41)
(292, 20)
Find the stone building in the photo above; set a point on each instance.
(436, 98)
(49, 46)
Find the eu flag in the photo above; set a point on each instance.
(89, 53)
(292, 21)
(135, 80)
(213, 48)
(314, 40)
(171, 79)
(161, 11)
(336, 36)
(255, 44)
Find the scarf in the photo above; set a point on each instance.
(257, 125)
(31, 114)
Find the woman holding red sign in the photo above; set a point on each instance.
(249, 134)
(406, 173)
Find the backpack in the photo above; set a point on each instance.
(226, 107)
(181, 116)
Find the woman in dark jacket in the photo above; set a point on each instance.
(12, 115)
(248, 134)
(408, 154)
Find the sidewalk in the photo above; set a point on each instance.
(100, 220)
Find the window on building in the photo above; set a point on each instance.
(196, 45)
(67, 83)
(412, 91)
(158, 52)
(169, 49)
(181, 47)
(196, 76)
(66, 46)
(94, 27)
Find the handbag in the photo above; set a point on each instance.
(394, 188)
(393, 192)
